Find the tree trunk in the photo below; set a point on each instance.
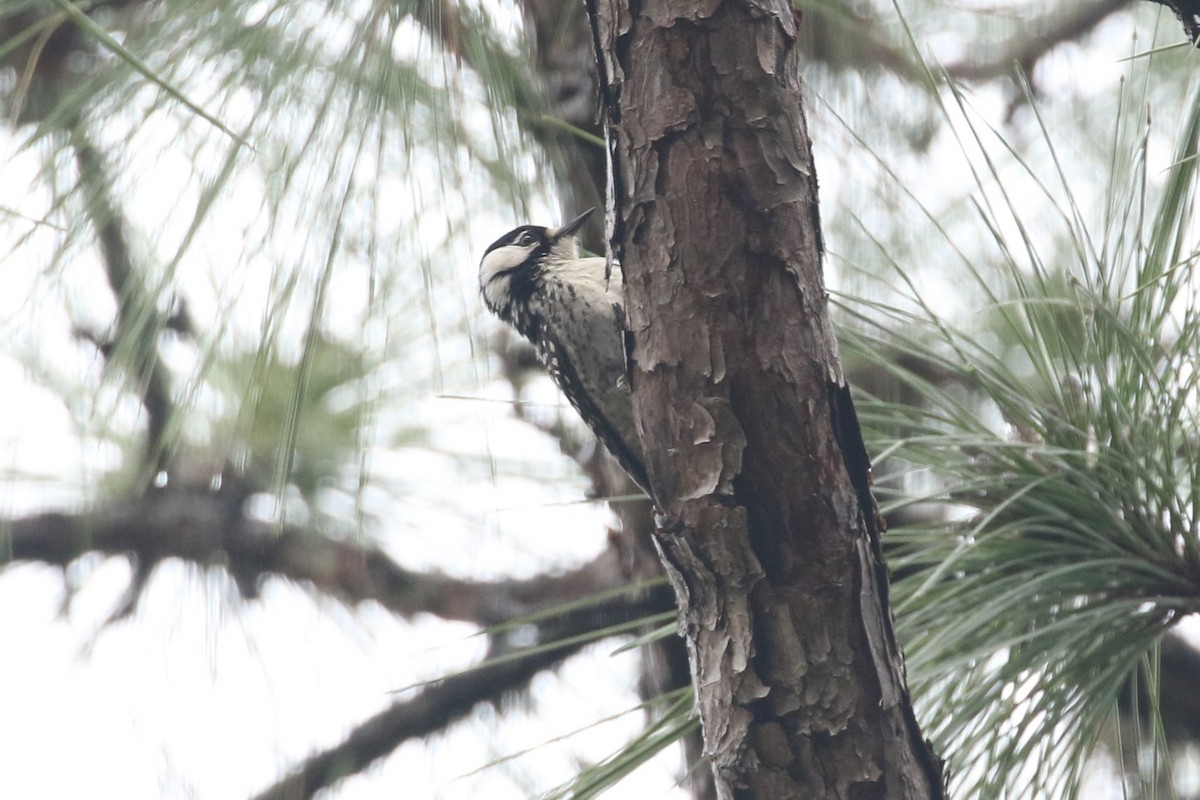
(768, 528)
(562, 57)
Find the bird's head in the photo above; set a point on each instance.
(511, 264)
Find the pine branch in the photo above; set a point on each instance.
(430, 711)
(505, 670)
(139, 322)
(207, 529)
(1047, 34)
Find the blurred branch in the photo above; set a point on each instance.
(1047, 33)
(138, 321)
(838, 36)
(205, 528)
(506, 669)
(429, 712)
(565, 63)
(1176, 684)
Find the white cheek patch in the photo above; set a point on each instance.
(502, 259)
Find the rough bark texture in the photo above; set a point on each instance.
(768, 529)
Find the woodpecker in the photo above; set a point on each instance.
(534, 279)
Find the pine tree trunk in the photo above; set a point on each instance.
(768, 528)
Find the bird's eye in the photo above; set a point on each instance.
(524, 240)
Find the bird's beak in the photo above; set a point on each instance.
(571, 227)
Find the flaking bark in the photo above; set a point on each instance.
(768, 528)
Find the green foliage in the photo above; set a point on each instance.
(1053, 441)
(274, 403)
